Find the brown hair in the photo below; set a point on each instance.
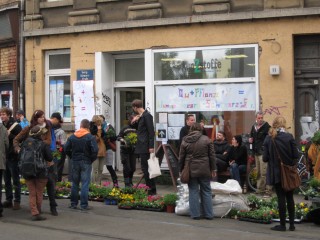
(195, 127)
(137, 103)
(35, 116)
(84, 123)
(97, 119)
(7, 111)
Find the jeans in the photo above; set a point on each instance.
(236, 171)
(205, 195)
(81, 173)
(144, 167)
(12, 171)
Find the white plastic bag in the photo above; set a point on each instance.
(153, 166)
(230, 187)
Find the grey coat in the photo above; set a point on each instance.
(4, 146)
(198, 150)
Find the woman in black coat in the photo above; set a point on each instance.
(282, 143)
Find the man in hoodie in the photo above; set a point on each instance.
(221, 149)
(258, 133)
(12, 168)
(82, 149)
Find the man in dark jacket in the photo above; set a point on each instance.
(221, 148)
(82, 149)
(12, 168)
(185, 130)
(143, 122)
(258, 133)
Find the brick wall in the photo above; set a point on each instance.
(8, 60)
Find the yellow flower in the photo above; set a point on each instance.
(306, 210)
(302, 204)
(22, 181)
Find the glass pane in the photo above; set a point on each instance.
(59, 61)
(59, 96)
(129, 69)
(205, 64)
(5, 27)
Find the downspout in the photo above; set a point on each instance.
(21, 60)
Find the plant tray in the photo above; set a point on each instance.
(287, 220)
(255, 220)
(126, 207)
(150, 209)
(108, 201)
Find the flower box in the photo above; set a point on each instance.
(150, 209)
(255, 220)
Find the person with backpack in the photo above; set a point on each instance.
(4, 146)
(82, 148)
(38, 119)
(35, 157)
(11, 173)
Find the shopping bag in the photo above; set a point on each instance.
(153, 166)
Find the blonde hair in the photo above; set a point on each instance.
(97, 119)
(278, 122)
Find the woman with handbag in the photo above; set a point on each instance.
(197, 157)
(280, 149)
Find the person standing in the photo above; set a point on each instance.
(82, 149)
(237, 157)
(197, 150)
(21, 119)
(36, 184)
(61, 138)
(97, 166)
(38, 119)
(143, 122)
(221, 148)
(110, 137)
(128, 157)
(12, 168)
(281, 143)
(258, 133)
(4, 146)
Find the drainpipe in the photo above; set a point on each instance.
(21, 59)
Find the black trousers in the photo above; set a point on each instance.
(129, 164)
(1, 207)
(283, 198)
(12, 172)
(144, 167)
(51, 185)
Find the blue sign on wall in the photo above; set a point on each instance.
(85, 75)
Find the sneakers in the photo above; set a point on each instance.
(86, 208)
(279, 228)
(7, 204)
(38, 218)
(53, 211)
(73, 207)
(16, 206)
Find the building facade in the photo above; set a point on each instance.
(221, 60)
(11, 80)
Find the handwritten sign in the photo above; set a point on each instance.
(209, 97)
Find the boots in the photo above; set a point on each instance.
(128, 182)
(115, 183)
(53, 211)
(16, 206)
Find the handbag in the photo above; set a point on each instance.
(153, 166)
(185, 174)
(113, 146)
(290, 178)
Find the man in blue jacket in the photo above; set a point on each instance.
(82, 149)
(143, 122)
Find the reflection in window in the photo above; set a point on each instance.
(205, 64)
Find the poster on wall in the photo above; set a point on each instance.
(208, 97)
(6, 99)
(83, 101)
(56, 88)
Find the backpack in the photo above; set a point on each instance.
(31, 160)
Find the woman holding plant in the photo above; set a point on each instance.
(280, 144)
(128, 139)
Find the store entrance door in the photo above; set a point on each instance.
(124, 97)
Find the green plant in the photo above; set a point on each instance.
(316, 138)
(170, 199)
(131, 139)
(140, 194)
(264, 214)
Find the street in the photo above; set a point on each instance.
(109, 222)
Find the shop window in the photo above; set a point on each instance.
(58, 83)
(6, 95)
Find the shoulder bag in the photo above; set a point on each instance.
(290, 178)
(185, 174)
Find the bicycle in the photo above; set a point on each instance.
(302, 171)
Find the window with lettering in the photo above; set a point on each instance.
(58, 83)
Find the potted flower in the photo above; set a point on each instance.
(128, 205)
(169, 201)
(112, 196)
